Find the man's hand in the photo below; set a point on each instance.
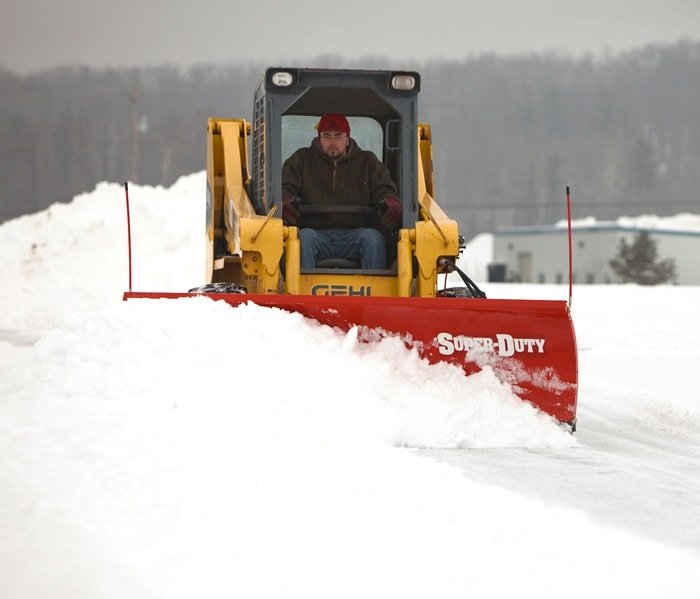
(389, 210)
(291, 209)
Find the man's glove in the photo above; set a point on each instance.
(291, 209)
(389, 210)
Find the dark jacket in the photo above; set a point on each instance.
(342, 193)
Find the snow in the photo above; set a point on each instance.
(684, 222)
(180, 448)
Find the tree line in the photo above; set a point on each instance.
(509, 133)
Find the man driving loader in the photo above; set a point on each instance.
(334, 191)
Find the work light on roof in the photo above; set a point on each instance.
(403, 82)
(282, 79)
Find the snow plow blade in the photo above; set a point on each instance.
(529, 344)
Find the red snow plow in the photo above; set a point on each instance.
(252, 256)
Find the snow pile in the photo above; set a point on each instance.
(685, 222)
(678, 222)
(180, 448)
(74, 257)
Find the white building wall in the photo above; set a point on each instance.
(685, 250)
(592, 251)
(549, 255)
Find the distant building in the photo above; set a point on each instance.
(540, 254)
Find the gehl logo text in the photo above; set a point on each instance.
(341, 290)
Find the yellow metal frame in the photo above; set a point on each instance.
(255, 245)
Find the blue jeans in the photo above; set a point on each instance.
(365, 246)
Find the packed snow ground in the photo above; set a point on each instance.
(185, 448)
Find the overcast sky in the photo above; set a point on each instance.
(37, 34)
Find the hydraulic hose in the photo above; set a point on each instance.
(468, 283)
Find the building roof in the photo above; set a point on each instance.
(680, 224)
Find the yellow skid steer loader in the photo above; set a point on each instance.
(253, 256)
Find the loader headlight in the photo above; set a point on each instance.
(282, 79)
(403, 82)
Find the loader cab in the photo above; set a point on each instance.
(381, 107)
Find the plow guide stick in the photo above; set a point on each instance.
(571, 253)
(128, 227)
(529, 344)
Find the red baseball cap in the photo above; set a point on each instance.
(333, 122)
